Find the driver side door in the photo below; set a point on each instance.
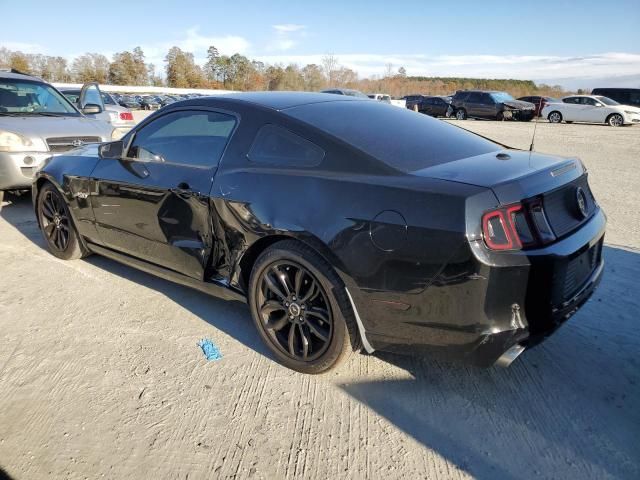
(153, 203)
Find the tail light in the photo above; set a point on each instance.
(126, 116)
(499, 228)
(516, 226)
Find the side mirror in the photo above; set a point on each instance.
(91, 109)
(111, 150)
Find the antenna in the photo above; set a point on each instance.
(535, 127)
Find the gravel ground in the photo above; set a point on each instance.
(100, 374)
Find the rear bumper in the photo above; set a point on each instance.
(506, 299)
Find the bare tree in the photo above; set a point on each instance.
(330, 66)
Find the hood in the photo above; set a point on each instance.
(44, 127)
(519, 104)
(512, 174)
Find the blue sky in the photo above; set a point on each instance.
(544, 40)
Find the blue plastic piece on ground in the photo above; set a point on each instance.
(210, 349)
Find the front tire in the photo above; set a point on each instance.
(300, 308)
(57, 225)
(555, 117)
(461, 114)
(615, 120)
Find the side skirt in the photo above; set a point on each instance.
(216, 289)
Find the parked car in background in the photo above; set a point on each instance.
(345, 91)
(435, 106)
(539, 102)
(129, 102)
(490, 105)
(624, 96)
(335, 238)
(150, 103)
(591, 109)
(381, 97)
(36, 122)
(165, 100)
(385, 98)
(119, 117)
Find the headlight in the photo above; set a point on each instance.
(114, 134)
(13, 142)
(629, 112)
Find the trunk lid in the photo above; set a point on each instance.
(513, 175)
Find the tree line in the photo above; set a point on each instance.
(238, 72)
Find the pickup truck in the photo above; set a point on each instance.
(383, 97)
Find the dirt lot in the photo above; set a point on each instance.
(100, 374)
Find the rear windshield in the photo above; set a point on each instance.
(405, 140)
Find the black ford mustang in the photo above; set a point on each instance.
(344, 223)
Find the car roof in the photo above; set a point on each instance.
(19, 76)
(274, 100)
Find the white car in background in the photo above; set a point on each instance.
(383, 97)
(591, 109)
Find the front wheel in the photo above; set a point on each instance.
(301, 309)
(615, 120)
(461, 114)
(555, 117)
(57, 225)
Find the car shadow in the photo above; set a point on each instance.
(568, 408)
(231, 317)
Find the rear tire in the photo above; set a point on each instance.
(555, 117)
(615, 120)
(461, 114)
(57, 225)
(300, 308)
(500, 117)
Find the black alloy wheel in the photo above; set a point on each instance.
(57, 225)
(295, 311)
(55, 221)
(301, 309)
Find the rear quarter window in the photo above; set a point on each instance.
(397, 137)
(275, 145)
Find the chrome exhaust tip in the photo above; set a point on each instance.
(509, 356)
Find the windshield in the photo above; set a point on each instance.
(107, 99)
(607, 101)
(500, 97)
(354, 93)
(22, 97)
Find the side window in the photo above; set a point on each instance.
(474, 97)
(572, 100)
(275, 145)
(194, 138)
(486, 99)
(589, 101)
